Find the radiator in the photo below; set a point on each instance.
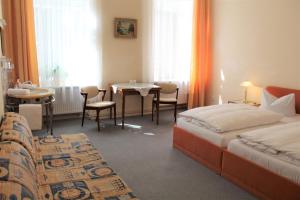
(67, 100)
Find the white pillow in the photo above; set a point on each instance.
(284, 105)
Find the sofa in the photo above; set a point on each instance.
(53, 167)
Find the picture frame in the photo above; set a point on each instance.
(125, 28)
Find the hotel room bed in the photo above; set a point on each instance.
(289, 170)
(265, 175)
(222, 140)
(207, 146)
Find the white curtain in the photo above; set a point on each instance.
(170, 39)
(66, 34)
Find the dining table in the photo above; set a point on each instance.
(142, 89)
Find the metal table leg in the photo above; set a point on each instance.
(142, 106)
(49, 114)
(157, 106)
(111, 99)
(51, 117)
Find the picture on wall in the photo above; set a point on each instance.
(125, 28)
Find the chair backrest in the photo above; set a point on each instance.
(92, 91)
(167, 87)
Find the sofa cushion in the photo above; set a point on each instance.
(54, 162)
(15, 128)
(93, 170)
(11, 172)
(20, 120)
(13, 190)
(16, 154)
(108, 188)
(21, 138)
(52, 145)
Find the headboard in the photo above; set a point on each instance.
(279, 92)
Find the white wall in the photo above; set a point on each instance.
(121, 58)
(256, 40)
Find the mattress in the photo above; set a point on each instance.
(267, 161)
(222, 139)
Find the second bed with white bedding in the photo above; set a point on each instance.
(267, 161)
(222, 139)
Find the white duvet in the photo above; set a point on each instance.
(282, 140)
(229, 117)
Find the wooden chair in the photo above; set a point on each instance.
(92, 92)
(167, 88)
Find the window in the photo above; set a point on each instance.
(172, 39)
(66, 37)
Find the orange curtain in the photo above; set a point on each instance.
(201, 53)
(19, 39)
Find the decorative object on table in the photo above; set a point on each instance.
(125, 28)
(25, 85)
(92, 92)
(166, 88)
(132, 81)
(246, 85)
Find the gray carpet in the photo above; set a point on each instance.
(143, 156)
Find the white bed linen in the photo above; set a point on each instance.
(267, 161)
(230, 117)
(280, 140)
(223, 139)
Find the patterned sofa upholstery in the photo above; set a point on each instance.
(53, 167)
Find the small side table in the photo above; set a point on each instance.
(42, 96)
(252, 103)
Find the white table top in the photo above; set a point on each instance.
(143, 88)
(134, 85)
(34, 93)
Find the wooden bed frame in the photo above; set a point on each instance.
(220, 161)
(256, 179)
(199, 149)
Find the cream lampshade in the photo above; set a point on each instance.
(246, 84)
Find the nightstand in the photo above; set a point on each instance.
(252, 103)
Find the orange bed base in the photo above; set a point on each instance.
(248, 175)
(197, 148)
(258, 180)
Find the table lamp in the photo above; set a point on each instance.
(246, 84)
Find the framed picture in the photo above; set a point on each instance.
(125, 28)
